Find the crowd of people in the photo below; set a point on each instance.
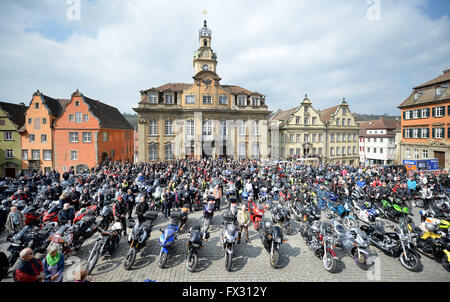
(181, 183)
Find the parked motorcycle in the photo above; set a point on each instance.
(392, 211)
(334, 209)
(34, 214)
(354, 242)
(256, 214)
(272, 238)
(282, 216)
(168, 238)
(19, 241)
(194, 244)
(318, 237)
(397, 244)
(105, 244)
(228, 237)
(138, 237)
(208, 213)
(365, 211)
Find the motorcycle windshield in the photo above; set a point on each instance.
(277, 232)
(169, 232)
(195, 236)
(19, 235)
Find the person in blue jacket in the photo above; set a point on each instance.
(412, 184)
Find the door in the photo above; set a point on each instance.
(440, 156)
(10, 172)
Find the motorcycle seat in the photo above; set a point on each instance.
(379, 230)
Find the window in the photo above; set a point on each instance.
(291, 151)
(314, 121)
(255, 150)
(297, 120)
(291, 138)
(306, 137)
(320, 151)
(242, 128)
(416, 133)
(152, 98)
(440, 111)
(408, 153)
(438, 132)
(381, 150)
(439, 91)
(85, 117)
(168, 154)
(43, 138)
(320, 138)
(314, 138)
(29, 121)
(87, 137)
(242, 101)
(256, 128)
(343, 151)
(207, 99)
(306, 120)
(153, 127)
(168, 127)
(368, 149)
(71, 119)
(338, 138)
(37, 124)
(338, 150)
(25, 154)
(190, 128)
(407, 115)
(415, 114)
(255, 101)
(426, 113)
(354, 150)
(297, 138)
(338, 121)
(424, 153)
(344, 111)
(78, 117)
(223, 100)
(32, 138)
(44, 121)
(47, 154)
(77, 103)
(35, 154)
(112, 152)
(344, 138)
(168, 98)
(416, 153)
(349, 137)
(36, 105)
(73, 155)
(332, 151)
(297, 151)
(207, 128)
(9, 153)
(73, 137)
(332, 137)
(8, 136)
(343, 122)
(105, 136)
(374, 150)
(349, 122)
(190, 99)
(223, 128)
(153, 152)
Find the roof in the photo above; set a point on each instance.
(234, 89)
(283, 115)
(16, 112)
(108, 116)
(383, 123)
(325, 115)
(444, 77)
(427, 96)
(56, 106)
(178, 87)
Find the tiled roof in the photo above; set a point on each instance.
(109, 117)
(56, 106)
(16, 112)
(325, 115)
(383, 123)
(428, 96)
(444, 77)
(178, 87)
(283, 115)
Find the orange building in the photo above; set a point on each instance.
(37, 133)
(426, 122)
(89, 132)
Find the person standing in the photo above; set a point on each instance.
(15, 220)
(29, 269)
(217, 196)
(168, 202)
(130, 200)
(120, 213)
(243, 218)
(53, 265)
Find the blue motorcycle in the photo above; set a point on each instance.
(168, 238)
(335, 209)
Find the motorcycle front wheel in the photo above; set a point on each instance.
(328, 213)
(361, 260)
(274, 258)
(191, 262)
(92, 261)
(349, 223)
(329, 263)
(228, 261)
(162, 259)
(411, 262)
(445, 263)
(129, 259)
(419, 203)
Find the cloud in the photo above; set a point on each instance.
(283, 49)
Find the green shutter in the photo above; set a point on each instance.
(419, 133)
(443, 110)
(433, 133)
(404, 133)
(419, 113)
(433, 111)
(404, 116)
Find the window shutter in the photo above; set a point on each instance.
(419, 133)
(428, 132)
(428, 112)
(443, 132)
(448, 133)
(443, 110)
(434, 132)
(404, 115)
(419, 113)
(404, 133)
(433, 111)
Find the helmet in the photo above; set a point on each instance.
(268, 225)
(430, 226)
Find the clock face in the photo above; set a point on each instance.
(205, 67)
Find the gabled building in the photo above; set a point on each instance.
(201, 119)
(12, 118)
(330, 134)
(377, 141)
(37, 132)
(426, 122)
(88, 132)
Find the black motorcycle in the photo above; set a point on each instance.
(272, 238)
(194, 244)
(397, 244)
(283, 216)
(138, 237)
(83, 230)
(105, 244)
(19, 241)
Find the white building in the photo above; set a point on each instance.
(377, 141)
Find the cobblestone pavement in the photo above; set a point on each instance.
(250, 262)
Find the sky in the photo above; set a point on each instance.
(370, 52)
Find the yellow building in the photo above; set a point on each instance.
(330, 134)
(203, 118)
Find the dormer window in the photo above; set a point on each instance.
(255, 101)
(242, 101)
(439, 91)
(168, 98)
(152, 98)
(417, 95)
(36, 105)
(77, 103)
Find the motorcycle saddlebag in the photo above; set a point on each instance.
(151, 215)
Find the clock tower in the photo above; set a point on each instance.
(205, 58)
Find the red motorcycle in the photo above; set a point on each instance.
(90, 210)
(33, 215)
(256, 214)
(52, 214)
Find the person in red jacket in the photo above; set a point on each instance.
(29, 269)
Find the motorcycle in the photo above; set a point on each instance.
(52, 214)
(365, 212)
(392, 211)
(228, 237)
(105, 244)
(208, 213)
(33, 214)
(282, 215)
(333, 209)
(138, 237)
(272, 238)
(397, 244)
(256, 214)
(354, 242)
(4, 212)
(19, 241)
(194, 244)
(90, 210)
(319, 239)
(168, 238)
(296, 209)
(264, 198)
